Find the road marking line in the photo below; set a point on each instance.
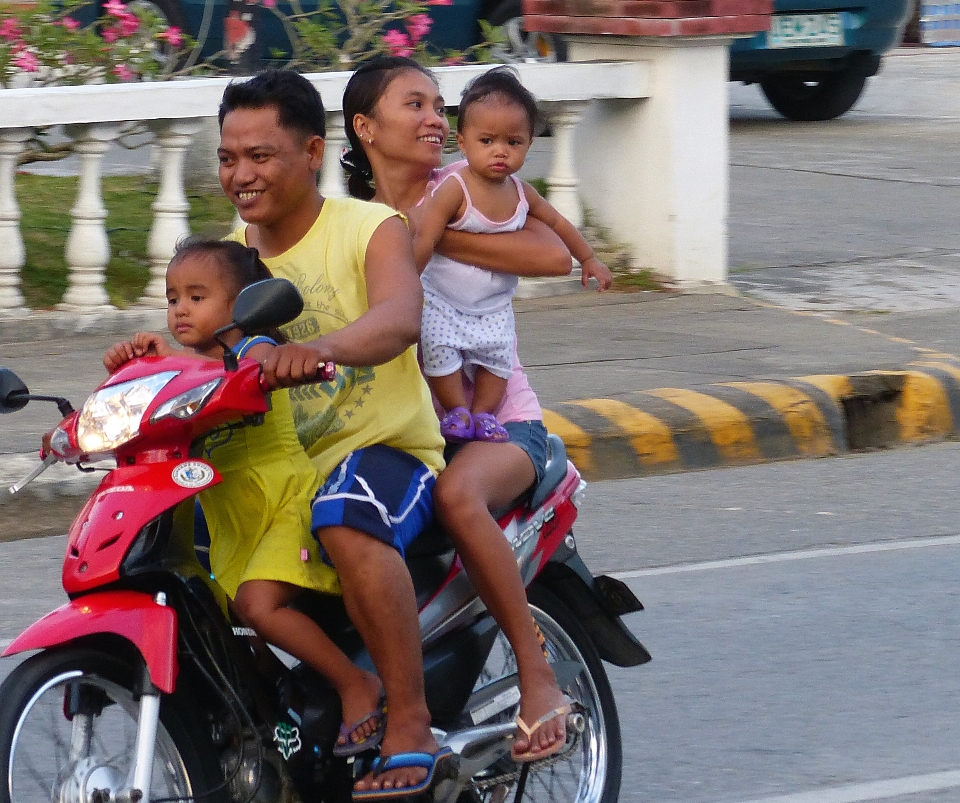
(5, 642)
(783, 557)
(875, 790)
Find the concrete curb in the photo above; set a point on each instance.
(668, 430)
(33, 327)
(740, 423)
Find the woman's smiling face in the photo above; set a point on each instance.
(408, 123)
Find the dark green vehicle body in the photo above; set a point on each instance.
(809, 80)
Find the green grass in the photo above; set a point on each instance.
(45, 203)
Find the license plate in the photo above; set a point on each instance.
(805, 30)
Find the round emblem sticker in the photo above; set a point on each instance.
(192, 474)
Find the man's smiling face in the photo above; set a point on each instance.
(266, 171)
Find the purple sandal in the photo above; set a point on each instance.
(457, 425)
(487, 428)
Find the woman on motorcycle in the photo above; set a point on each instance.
(395, 122)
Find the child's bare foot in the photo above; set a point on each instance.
(536, 703)
(363, 715)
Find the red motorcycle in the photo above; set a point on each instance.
(146, 689)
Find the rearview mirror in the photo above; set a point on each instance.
(13, 393)
(265, 305)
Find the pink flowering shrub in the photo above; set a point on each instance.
(47, 45)
(340, 34)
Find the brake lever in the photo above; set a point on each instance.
(48, 461)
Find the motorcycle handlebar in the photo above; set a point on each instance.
(328, 372)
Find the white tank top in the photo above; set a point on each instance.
(473, 290)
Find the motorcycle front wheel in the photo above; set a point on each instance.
(589, 770)
(68, 730)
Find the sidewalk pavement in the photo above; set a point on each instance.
(634, 383)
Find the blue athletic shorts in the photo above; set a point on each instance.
(380, 491)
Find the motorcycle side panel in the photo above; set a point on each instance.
(134, 616)
(128, 498)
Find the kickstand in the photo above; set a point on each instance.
(522, 782)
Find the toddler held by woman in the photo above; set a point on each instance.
(468, 325)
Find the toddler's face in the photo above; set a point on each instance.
(198, 302)
(495, 138)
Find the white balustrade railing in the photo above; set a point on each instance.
(94, 116)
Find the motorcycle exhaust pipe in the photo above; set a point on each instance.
(479, 747)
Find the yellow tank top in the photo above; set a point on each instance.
(387, 403)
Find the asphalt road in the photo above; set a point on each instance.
(802, 616)
(855, 213)
(803, 620)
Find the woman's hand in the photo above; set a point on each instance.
(594, 268)
(144, 344)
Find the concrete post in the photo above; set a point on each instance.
(663, 186)
(12, 254)
(655, 170)
(88, 249)
(171, 208)
(332, 180)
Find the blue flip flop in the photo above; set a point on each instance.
(429, 761)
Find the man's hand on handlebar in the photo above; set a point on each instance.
(296, 364)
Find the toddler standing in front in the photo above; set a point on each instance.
(468, 324)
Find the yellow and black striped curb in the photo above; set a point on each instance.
(739, 423)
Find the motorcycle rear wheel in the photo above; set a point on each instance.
(50, 756)
(590, 770)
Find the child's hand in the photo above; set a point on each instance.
(144, 344)
(594, 268)
(148, 344)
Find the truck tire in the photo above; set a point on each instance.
(823, 99)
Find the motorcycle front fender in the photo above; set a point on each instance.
(134, 616)
(598, 602)
(128, 498)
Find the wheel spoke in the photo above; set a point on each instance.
(66, 736)
(585, 772)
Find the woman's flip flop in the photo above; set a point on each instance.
(530, 755)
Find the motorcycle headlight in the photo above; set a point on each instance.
(188, 403)
(111, 417)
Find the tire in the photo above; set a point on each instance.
(522, 46)
(800, 99)
(588, 771)
(36, 734)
